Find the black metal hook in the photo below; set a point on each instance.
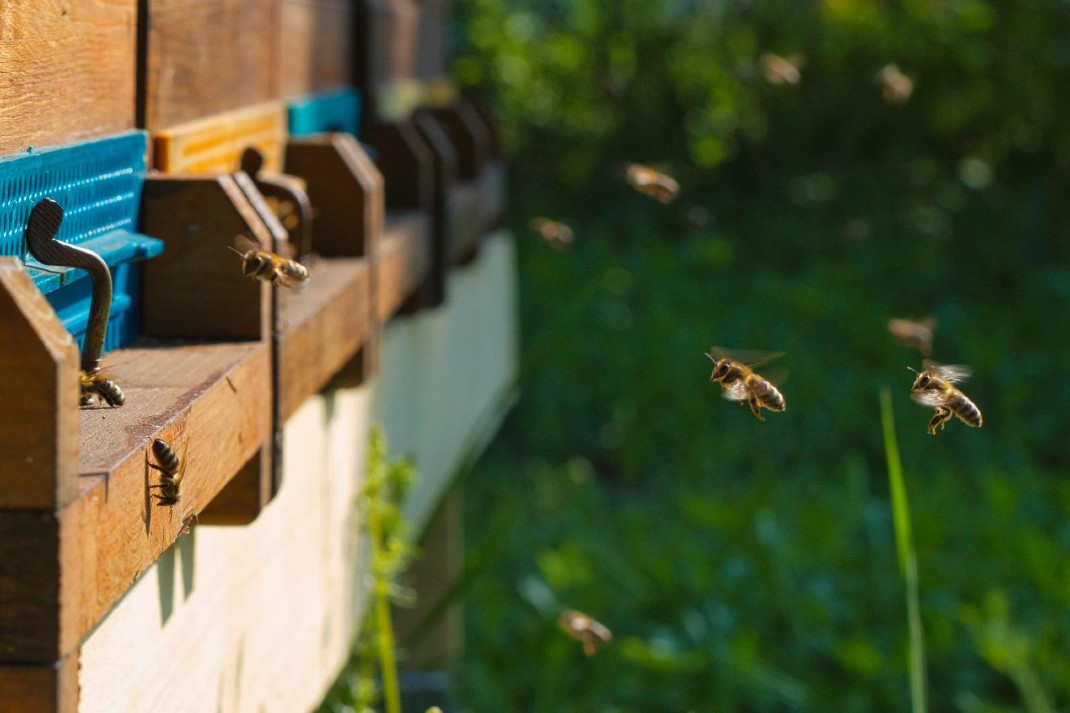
(41, 228)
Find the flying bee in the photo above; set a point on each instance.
(740, 383)
(93, 383)
(935, 387)
(172, 470)
(895, 86)
(781, 70)
(660, 186)
(584, 629)
(269, 267)
(918, 335)
(558, 235)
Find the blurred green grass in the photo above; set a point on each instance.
(748, 566)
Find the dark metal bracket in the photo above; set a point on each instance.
(41, 228)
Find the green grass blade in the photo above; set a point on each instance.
(908, 564)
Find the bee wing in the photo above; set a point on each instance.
(929, 398)
(952, 372)
(751, 358)
(736, 391)
(244, 243)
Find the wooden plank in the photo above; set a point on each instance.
(68, 71)
(466, 220)
(432, 46)
(317, 46)
(214, 144)
(403, 261)
(216, 400)
(41, 689)
(444, 176)
(248, 492)
(40, 443)
(186, 288)
(60, 573)
(204, 57)
(406, 162)
(387, 36)
(322, 328)
(469, 136)
(346, 189)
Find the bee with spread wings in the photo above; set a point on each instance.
(935, 387)
(740, 383)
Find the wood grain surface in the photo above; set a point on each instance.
(214, 144)
(196, 288)
(316, 46)
(39, 425)
(346, 190)
(403, 260)
(322, 328)
(205, 57)
(67, 71)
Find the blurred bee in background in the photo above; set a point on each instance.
(584, 629)
(659, 186)
(740, 383)
(896, 86)
(267, 266)
(93, 384)
(916, 335)
(558, 235)
(781, 70)
(171, 469)
(935, 387)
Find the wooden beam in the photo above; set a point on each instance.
(404, 260)
(68, 71)
(322, 328)
(41, 689)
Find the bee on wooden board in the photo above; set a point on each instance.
(739, 382)
(917, 335)
(93, 384)
(172, 470)
(558, 235)
(935, 386)
(584, 629)
(659, 186)
(267, 266)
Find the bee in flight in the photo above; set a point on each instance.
(585, 630)
(660, 186)
(918, 335)
(558, 235)
(781, 70)
(93, 383)
(935, 387)
(269, 267)
(172, 470)
(739, 382)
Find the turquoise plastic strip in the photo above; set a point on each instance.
(328, 111)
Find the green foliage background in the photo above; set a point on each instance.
(748, 566)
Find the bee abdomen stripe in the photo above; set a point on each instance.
(165, 455)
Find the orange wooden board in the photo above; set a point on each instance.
(215, 144)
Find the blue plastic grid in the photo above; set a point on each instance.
(328, 111)
(98, 185)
